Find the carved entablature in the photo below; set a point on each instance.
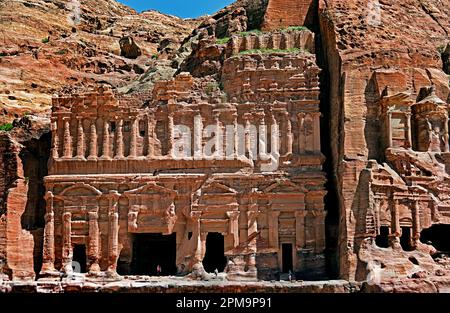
(151, 209)
(431, 117)
(396, 118)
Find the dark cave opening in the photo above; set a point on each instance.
(215, 253)
(151, 251)
(406, 239)
(79, 260)
(35, 157)
(382, 240)
(446, 59)
(287, 258)
(438, 236)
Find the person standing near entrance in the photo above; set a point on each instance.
(158, 270)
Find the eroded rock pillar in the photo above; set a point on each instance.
(55, 140)
(198, 137)
(273, 229)
(416, 222)
(150, 135)
(301, 133)
(408, 131)
(300, 229)
(48, 257)
(113, 239)
(233, 227)
(67, 252)
(67, 139)
(389, 130)
(94, 243)
(93, 148)
(289, 136)
(119, 141)
(317, 132)
(395, 224)
(80, 140)
(134, 134)
(106, 142)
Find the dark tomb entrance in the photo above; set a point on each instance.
(151, 250)
(438, 236)
(79, 259)
(406, 240)
(215, 253)
(382, 239)
(287, 259)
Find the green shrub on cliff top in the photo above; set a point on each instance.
(6, 127)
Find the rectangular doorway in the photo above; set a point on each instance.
(287, 258)
(153, 250)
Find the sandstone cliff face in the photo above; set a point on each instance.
(48, 45)
(371, 47)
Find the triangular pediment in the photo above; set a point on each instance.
(151, 189)
(218, 188)
(284, 186)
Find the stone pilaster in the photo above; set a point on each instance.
(94, 243)
(93, 144)
(134, 134)
(301, 133)
(233, 227)
(300, 239)
(119, 141)
(106, 141)
(55, 140)
(67, 139)
(67, 252)
(48, 257)
(80, 140)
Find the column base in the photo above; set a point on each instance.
(92, 158)
(48, 271)
(105, 158)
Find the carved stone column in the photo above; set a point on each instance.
(150, 136)
(263, 142)
(319, 227)
(301, 133)
(113, 239)
(106, 142)
(48, 257)
(219, 138)
(134, 134)
(67, 139)
(198, 137)
(273, 229)
(395, 224)
(196, 237)
(171, 127)
(416, 222)
(248, 138)
(233, 227)
(67, 252)
(94, 243)
(289, 134)
(408, 131)
(317, 116)
(93, 145)
(236, 136)
(300, 239)
(55, 140)
(119, 141)
(80, 140)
